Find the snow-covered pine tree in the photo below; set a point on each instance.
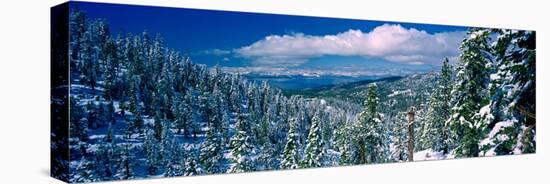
(469, 92)
(511, 112)
(79, 127)
(86, 170)
(343, 141)
(435, 133)
(370, 130)
(109, 137)
(268, 158)
(194, 127)
(345, 154)
(419, 127)
(303, 120)
(399, 137)
(280, 128)
(290, 155)
(175, 159)
(120, 77)
(223, 112)
(243, 149)
(77, 23)
(192, 166)
(235, 95)
(184, 115)
(211, 151)
(92, 115)
(215, 113)
(253, 108)
(138, 123)
(133, 101)
(263, 130)
(104, 157)
(100, 36)
(327, 130)
(264, 97)
(127, 167)
(166, 90)
(158, 127)
(87, 57)
(110, 74)
(110, 112)
(315, 150)
(154, 157)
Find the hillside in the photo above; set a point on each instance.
(139, 109)
(413, 89)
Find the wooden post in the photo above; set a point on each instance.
(411, 114)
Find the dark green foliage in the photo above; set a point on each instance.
(315, 150)
(290, 154)
(242, 146)
(436, 132)
(163, 99)
(370, 131)
(470, 93)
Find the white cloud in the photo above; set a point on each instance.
(390, 42)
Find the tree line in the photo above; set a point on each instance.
(140, 109)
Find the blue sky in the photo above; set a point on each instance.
(279, 44)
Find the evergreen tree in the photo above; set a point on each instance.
(242, 147)
(345, 154)
(221, 115)
(109, 137)
(268, 158)
(400, 137)
(192, 166)
(436, 132)
(470, 92)
(86, 170)
(78, 22)
(92, 115)
(263, 130)
(110, 74)
(133, 104)
(166, 91)
(344, 142)
(138, 123)
(154, 157)
(194, 126)
(175, 159)
(158, 127)
(510, 113)
(315, 151)
(104, 157)
(78, 125)
(211, 151)
(127, 170)
(290, 153)
(184, 115)
(110, 112)
(370, 131)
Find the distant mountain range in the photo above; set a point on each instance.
(416, 88)
(308, 82)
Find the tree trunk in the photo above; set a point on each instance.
(411, 114)
(362, 152)
(411, 142)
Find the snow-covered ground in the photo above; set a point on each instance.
(400, 92)
(429, 154)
